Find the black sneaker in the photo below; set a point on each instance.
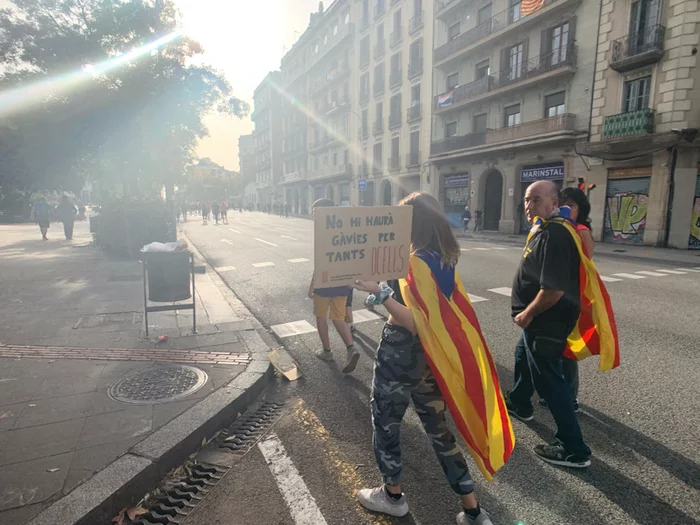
(520, 413)
(556, 454)
(544, 404)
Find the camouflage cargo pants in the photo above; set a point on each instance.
(402, 373)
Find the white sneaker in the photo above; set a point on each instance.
(482, 519)
(377, 500)
(324, 355)
(351, 363)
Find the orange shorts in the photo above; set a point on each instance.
(335, 304)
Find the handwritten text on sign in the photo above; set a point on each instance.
(370, 243)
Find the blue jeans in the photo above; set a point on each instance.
(534, 371)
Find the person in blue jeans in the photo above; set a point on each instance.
(545, 303)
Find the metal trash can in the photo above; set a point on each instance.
(169, 276)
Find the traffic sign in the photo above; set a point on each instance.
(362, 184)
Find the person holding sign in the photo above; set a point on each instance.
(333, 299)
(432, 352)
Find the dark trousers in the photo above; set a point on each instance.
(534, 371)
(68, 229)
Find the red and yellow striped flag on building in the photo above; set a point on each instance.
(595, 332)
(530, 6)
(460, 360)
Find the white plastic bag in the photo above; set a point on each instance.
(178, 246)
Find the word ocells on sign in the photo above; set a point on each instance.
(363, 242)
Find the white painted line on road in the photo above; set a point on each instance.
(674, 272)
(651, 274)
(482, 249)
(294, 328)
(288, 237)
(263, 265)
(225, 269)
(364, 315)
(234, 231)
(464, 249)
(266, 242)
(300, 260)
(689, 269)
(609, 279)
(226, 241)
(629, 275)
(284, 229)
(476, 299)
(302, 505)
(499, 248)
(502, 291)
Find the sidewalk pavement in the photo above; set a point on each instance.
(84, 392)
(623, 251)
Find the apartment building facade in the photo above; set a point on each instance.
(246, 165)
(394, 93)
(512, 84)
(644, 148)
(266, 116)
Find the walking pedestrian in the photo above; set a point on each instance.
(224, 212)
(478, 223)
(41, 214)
(215, 212)
(348, 311)
(402, 372)
(205, 214)
(335, 300)
(546, 305)
(466, 217)
(66, 213)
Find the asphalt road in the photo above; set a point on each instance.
(641, 420)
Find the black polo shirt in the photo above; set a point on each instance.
(550, 261)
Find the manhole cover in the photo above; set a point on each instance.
(158, 384)
(94, 320)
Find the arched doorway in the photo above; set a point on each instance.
(329, 192)
(493, 196)
(386, 193)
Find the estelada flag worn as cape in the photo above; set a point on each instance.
(459, 359)
(595, 332)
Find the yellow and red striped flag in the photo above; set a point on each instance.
(459, 359)
(530, 6)
(595, 332)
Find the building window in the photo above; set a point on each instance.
(559, 43)
(515, 14)
(451, 129)
(377, 153)
(395, 152)
(637, 94)
(335, 29)
(452, 81)
(335, 158)
(483, 69)
(316, 48)
(453, 31)
(484, 14)
(325, 39)
(347, 17)
(515, 60)
(554, 104)
(480, 123)
(512, 115)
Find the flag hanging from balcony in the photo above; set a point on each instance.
(595, 332)
(459, 359)
(446, 99)
(530, 6)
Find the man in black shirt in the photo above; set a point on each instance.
(546, 305)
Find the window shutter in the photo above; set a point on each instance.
(526, 43)
(572, 31)
(504, 65)
(545, 42)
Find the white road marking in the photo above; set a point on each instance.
(234, 231)
(300, 260)
(499, 248)
(284, 229)
(266, 242)
(225, 268)
(302, 505)
(464, 249)
(288, 237)
(630, 275)
(690, 269)
(652, 274)
(502, 291)
(263, 264)
(609, 279)
(476, 299)
(482, 249)
(226, 241)
(364, 315)
(294, 328)
(675, 272)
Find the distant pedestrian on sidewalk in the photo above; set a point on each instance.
(224, 212)
(479, 222)
(546, 305)
(215, 212)
(333, 299)
(66, 213)
(41, 214)
(466, 217)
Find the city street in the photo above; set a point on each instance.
(640, 420)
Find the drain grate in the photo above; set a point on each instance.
(248, 429)
(95, 320)
(158, 384)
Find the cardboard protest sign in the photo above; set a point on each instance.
(370, 243)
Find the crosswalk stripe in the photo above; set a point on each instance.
(300, 260)
(364, 315)
(609, 279)
(652, 274)
(266, 242)
(629, 275)
(690, 269)
(674, 272)
(501, 291)
(225, 268)
(263, 264)
(288, 237)
(476, 299)
(293, 328)
(482, 249)
(464, 249)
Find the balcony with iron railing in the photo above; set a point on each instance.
(395, 78)
(322, 143)
(344, 31)
(413, 113)
(445, 9)
(630, 123)
(333, 75)
(415, 24)
(296, 176)
(492, 27)
(638, 49)
(394, 164)
(338, 106)
(379, 49)
(378, 127)
(394, 120)
(413, 159)
(396, 37)
(326, 172)
(415, 68)
(560, 61)
(553, 127)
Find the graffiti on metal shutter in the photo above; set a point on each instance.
(694, 239)
(626, 205)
